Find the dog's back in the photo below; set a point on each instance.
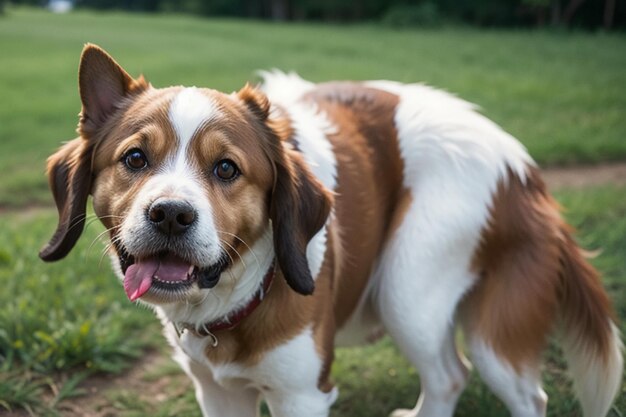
(443, 217)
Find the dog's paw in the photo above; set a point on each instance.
(403, 412)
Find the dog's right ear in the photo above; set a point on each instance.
(69, 176)
(103, 85)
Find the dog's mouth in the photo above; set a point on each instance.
(166, 274)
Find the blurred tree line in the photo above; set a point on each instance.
(590, 14)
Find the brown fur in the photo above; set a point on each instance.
(529, 268)
(369, 181)
(587, 310)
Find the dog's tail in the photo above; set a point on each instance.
(591, 340)
(535, 278)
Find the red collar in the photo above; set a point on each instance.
(231, 321)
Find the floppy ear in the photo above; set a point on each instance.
(69, 176)
(300, 206)
(103, 84)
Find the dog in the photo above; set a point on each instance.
(269, 225)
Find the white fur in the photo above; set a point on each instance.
(434, 124)
(284, 88)
(312, 128)
(520, 391)
(176, 185)
(215, 400)
(287, 377)
(453, 160)
(189, 111)
(595, 382)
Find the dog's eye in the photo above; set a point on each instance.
(226, 170)
(135, 159)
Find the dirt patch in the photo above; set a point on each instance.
(96, 401)
(27, 211)
(585, 176)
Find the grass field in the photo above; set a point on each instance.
(66, 319)
(563, 94)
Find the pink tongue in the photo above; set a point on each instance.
(138, 277)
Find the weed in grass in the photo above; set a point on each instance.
(372, 379)
(19, 390)
(69, 316)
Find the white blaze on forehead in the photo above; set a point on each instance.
(189, 111)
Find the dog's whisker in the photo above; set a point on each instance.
(77, 221)
(93, 242)
(201, 301)
(233, 284)
(235, 250)
(256, 258)
(90, 219)
(104, 252)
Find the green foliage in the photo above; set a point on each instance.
(18, 390)
(589, 13)
(70, 316)
(425, 14)
(67, 331)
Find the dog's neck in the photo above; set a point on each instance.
(231, 320)
(239, 285)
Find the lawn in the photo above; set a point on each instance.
(69, 319)
(563, 94)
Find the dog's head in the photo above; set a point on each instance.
(186, 180)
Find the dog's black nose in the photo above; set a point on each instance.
(172, 217)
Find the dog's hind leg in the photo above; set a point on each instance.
(520, 389)
(420, 283)
(423, 328)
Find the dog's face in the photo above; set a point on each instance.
(186, 180)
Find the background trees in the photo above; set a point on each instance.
(588, 14)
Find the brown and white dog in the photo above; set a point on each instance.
(268, 225)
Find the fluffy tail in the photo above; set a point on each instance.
(591, 340)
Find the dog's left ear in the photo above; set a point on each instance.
(299, 208)
(300, 204)
(69, 176)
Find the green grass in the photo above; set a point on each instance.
(562, 94)
(59, 318)
(71, 317)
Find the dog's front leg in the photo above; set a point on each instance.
(293, 381)
(233, 400)
(237, 400)
(312, 403)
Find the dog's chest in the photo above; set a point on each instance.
(193, 350)
(287, 365)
